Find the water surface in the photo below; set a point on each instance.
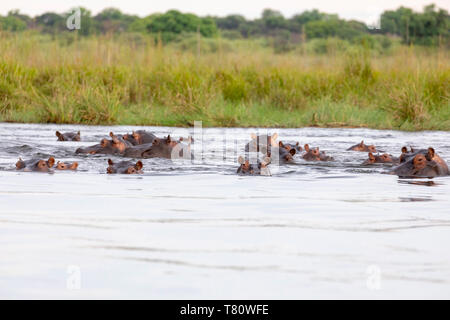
(197, 230)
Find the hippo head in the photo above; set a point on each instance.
(68, 136)
(363, 147)
(36, 165)
(124, 167)
(285, 152)
(419, 166)
(118, 143)
(312, 154)
(140, 137)
(161, 148)
(405, 154)
(137, 136)
(289, 146)
(66, 166)
(130, 138)
(383, 158)
(260, 168)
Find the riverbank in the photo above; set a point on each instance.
(105, 81)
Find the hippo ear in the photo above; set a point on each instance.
(412, 149)
(139, 165)
(306, 146)
(253, 136)
(430, 153)
(51, 162)
(168, 139)
(20, 164)
(362, 143)
(74, 166)
(58, 134)
(111, 134)
(280, 144)
(297, 144)
(404, 150)
(79, 133)
(292, 151)
(110, 162)
(240, 160)
(371, 156)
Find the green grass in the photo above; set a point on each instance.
(111, 81)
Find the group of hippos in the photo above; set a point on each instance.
(420, 163)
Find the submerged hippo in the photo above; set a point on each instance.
(117, 145)
(289, 146)
(406, 154)
(422, 165)
(363, 148)
(314, 154)
(261, 143)
(259, 168)
(68, 136)
(124, 167)
(285, 155)
(162, 148)
(383, 158)
(66, 165)
(139, 137)
(104, 147)
(38, 165)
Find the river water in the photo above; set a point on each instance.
(192, 230)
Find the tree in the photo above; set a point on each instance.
(14, 21)
(174, 22)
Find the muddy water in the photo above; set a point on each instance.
(197, 230)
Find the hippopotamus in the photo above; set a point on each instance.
(68, 136)
(383, 158)
(314, 154)
(406, 154)
(38, 165)
(285, 155)
(104, 147)
(289, 146)
(429, 154)
(261, 143)
(117, 145)
(162, 148)
(363, 148)
(139, 137)
(422, 165)
(124, 167)
(66, 165)
(259, 168)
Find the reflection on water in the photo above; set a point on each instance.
(428, 183)
(197, 230)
